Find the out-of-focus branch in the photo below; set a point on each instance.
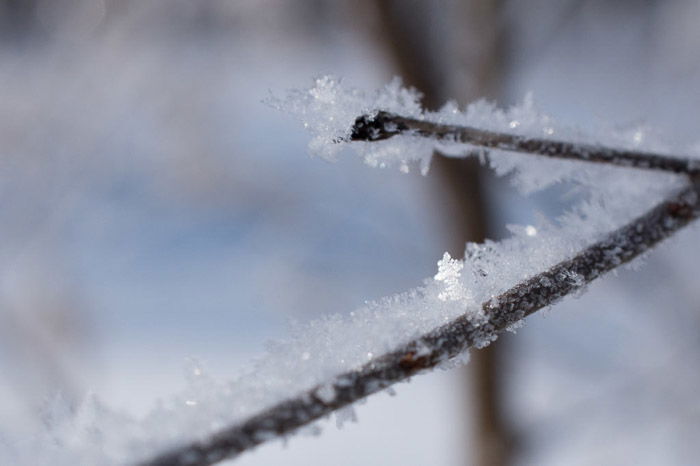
(385, 125)
(447, 341)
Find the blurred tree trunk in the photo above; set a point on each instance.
(16, 18)
(458, 62)
(42, 327)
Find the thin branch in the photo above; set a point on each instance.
(384, 125)
(447, 341)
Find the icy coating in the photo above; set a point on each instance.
(317, 352)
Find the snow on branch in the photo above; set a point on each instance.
(447, 341)
(384, 125)
(335, 362)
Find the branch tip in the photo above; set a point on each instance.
(384, 125)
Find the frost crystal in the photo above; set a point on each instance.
(449, 273)
(329, 109)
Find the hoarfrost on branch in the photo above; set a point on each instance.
(334, 361)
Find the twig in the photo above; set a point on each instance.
(384, 125)
(447, 341)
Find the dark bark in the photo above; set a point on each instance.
(385, 125)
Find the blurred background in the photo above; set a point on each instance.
(153, 210)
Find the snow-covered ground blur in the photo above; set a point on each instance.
(154, 210)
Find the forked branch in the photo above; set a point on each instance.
(451, 339)
(385, 125)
